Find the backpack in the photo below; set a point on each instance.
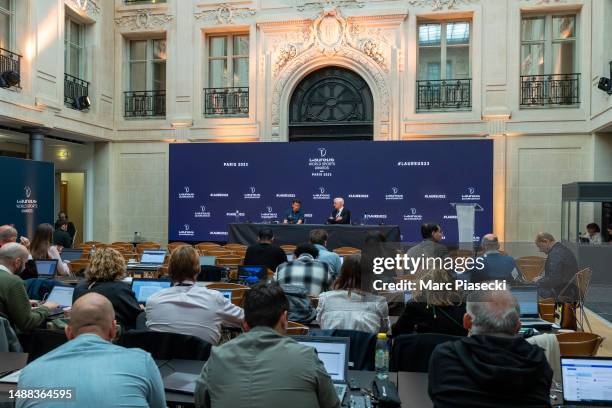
(300, 308)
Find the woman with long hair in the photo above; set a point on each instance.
(349, 305)
(42, 248)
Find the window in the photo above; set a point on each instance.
(147, 78)
(6, 19)
(74, 53)
(228, 75)
(548, 60)
(444, 67)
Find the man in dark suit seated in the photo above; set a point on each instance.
(265, 252)
(61, 236)
(494, 366)
(339, 215)
(559, 270)
(496, 265)
(430, 247)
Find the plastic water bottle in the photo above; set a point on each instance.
(381, 360)
(92, 251)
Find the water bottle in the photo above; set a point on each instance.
(237, 216)
(365, 219)
(92, 251)
(381, 360)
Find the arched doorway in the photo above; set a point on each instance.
(331, 103)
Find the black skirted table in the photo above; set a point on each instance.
(292, 234)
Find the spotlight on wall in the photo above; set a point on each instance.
(605, 84)
(9, 78)
(82, 103)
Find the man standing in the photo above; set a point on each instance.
(339, 215)
(265, 252)
(559, 270)
(61, 236)
(294, 215)
(318, 237)
(494, 366)
(98, 373)
(14, 301)
(62, 216)
(264, 367)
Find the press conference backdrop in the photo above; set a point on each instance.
(404, 183)
(27, 194)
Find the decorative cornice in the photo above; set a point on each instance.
(88, 7)
(328, 4)
(440, 4)
(225, 14)
(143, 19)
(541, 2)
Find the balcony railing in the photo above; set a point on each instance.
(143, 104)
(10, 61)
(442, 95)
(74, 88)
(226, 101)
(550, 90)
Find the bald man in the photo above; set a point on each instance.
(14, 301)
(99, 373)
(493, 367)
(9, 234)
(496, 266)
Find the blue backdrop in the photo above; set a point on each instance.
(27, 194)
(404, 183)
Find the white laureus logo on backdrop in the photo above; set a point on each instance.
(323, 151)
(186, 189)
(187, 194)
(471, 195)
(202, 213)
(269, 209)
(394, 195)
(471, 190)
(252, 189)
(252, 195)
(186, 227)
(186, 231)
(394, 189)
(321, 195)
(28, 191)
(269, 215)
(413, 211)
(28, 204)
(320, 165)
(413, 216)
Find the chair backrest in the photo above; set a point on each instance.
(347, 251)
(39, 342)
(296, 329)
(229, 260)
(530, 266)
(238, 291)
(583, 282)
(289, 249)
(204, 246)
(216, 252)
(546, 308)
(142, 246)
(362, 348)
(411, 352)
(166, 345)
(579, 344)
(78, 266)
(233, 247)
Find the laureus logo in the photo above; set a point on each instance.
(395, 190)
(413, 216)
(322, 151)
(471, 190)
(321, 195)
(269, 209)
(187, 194)
(186, 231)
(252, 194)
(28, 191)
(28, 204)
(269, 214)
(252, 189)
(413, 211)
(394, 194)
(186, 227)
(202, 213)
(471, 195)
(203, 208)
(321, 189)
(186, 189)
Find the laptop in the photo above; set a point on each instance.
(587, 381)
(71, 254)
(207, 260)
(334, 353)
(46, 269)
(144, 287)
(62, 295)
(180, 382)
(527, 298)
(150, 259)
(252, 274)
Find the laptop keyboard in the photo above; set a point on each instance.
(340, 391)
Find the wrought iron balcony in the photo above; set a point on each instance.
(443, 95)
(226, 101)
(142, 104)
(550, 90)
(75, 91)
(10, 69)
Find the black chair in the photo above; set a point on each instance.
(411, 352)
(39, 342)
(362, 346)
(166, 346)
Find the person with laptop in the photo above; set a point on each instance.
(265, 252)
(497, 266)
(104, 276)
(42, 248)
(559, 270)
(318, 238)
(98, 373)
(263, 367)
(188, 308)
(14, 301)
(493, 367)
(305, 271)
(9, 234)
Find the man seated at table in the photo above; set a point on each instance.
(559, 270)
(14, 302)
(263, 367)
(339, 214)
(430, 247)
(98, 373)
(305, 271)
(265, 252)
(60, 235)
(9, 234)
(294, 215)
(318, 238)
(496, 265)
(493, 367)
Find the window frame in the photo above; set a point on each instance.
(68, 43)
(443, 45)
(229, 58)
(149, 63)
(11, 31)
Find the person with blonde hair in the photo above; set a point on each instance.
(436, 310)
(104, 276)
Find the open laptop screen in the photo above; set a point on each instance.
(143, 288)
(333, 355)
(62, 295)
(71, 254)
(154, 257)
(527, 298)
(46, 269)
(252, 274)
(207, 260)
(587, 380)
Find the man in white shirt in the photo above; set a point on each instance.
(187, 308)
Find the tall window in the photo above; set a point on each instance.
(74, 54)
(6, 17)
(228, 61)
(548, 45)
(147, 65)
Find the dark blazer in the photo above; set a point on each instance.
(561, 266)
(119, 294)
(269, 255)
(345, 217)
(419, 317)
